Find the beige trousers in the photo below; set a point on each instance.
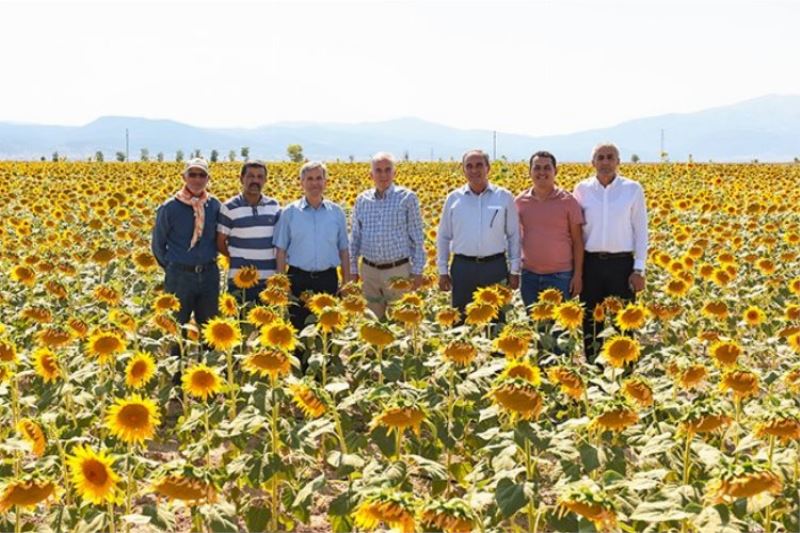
(375, 284)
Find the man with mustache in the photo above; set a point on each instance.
(245, 230)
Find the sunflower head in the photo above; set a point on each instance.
(308, 398)
(320, 301)
(460, 352)
(165, 303)
(783, 425)
(222, 333)
(227, 305)
(133, 420)
(45, 362)
(202, 381)
(275, 296)
(488, 296)
(273, 363)
(741, 382)
(569, 315)
(542, 311)
(715, 309)
(280, 335)
(638, 391)
(52, 337)
(725, 353)
(451, 516)
(400, 416)
(259, 316)
(246, 277)
(551, 296)
(24, 275)
(518, 398)
(279, 281)
(409, 315)
(25, 493)
(354, 304)
(513, 341)
(8, 351)
(190, 490)
(105, 344)
(632, 317)
(480, 314)
(568, 380)
(376, 334)
(754, 316)
(619, 351)
(394, 509)
(587, 500)
(447, 317)
(523, 370)
(743, 479)
(615, 416)
(331, 319)
(140, 370)
(32, 433)
(93, 475)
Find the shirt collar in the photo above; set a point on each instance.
(553, 194)
(489, 189)
(386, 193)
(611, 185)
(261, 201)
(304, 203)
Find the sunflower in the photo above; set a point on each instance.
(144, 261)
(568, 380)
(40, 315)
(743, 383)
(108, 295)
(279, 334)
(785, 427)
(447, 317)
(794, 342)
(166, 324)
(794, 286)
(632, 317)
(33, 435)
(331, 319)
(488, 295)
(397, 419)
(123, 320)
(103, 256)
(46, 364)
(451, 516)
(24, 275)
(53, 337)
(479, 314)
(139, 370)
(246, 277)
(5, 374)
(551, 296)
(274, 363)
(707, 423)
(411, 298)
(518, 398)
(715, 309)
(638, 391)
(410, 316)
(56, 289)
(78, 327)
(569, 315)
(692, 376)
(222, 334)
(93, 475)
(133, 419)
(542, 311)
(8, 351)
(394, 509)
(227, 305)
(275, 296)
(677, 287)
(513, 341)
(721, 277)
(792, 313)
(320, 301)
(725, 353)
(165, 303)
(754, 316)
(27, 494)
(376, 334)
(201, 381)
(619, 351)
(588, 501)
(188, 490)
(354, 304)
(460, 352)
(279, 281)
(105, 344)
(260, 316)
(745, 485)
(615, 419)
(307, 399)
(766, 266)
(523, 370)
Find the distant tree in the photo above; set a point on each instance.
(160, 157)
(634, 158)
(98, 156)
(55, 157)
(179, 156)
(295, 153)
(197, 153)
(245, 152)
(43, 158)
(406, 156)
(120, 156)
(351, 157)
(214, 156)
(232, 156)
(797, 159)
(144, 154)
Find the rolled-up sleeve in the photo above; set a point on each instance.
(639, 225)
(224, 222)
(416, 235)
(512, 235)
(444, 237)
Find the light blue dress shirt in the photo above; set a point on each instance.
(479, 225)
(312, 237)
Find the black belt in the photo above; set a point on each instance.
(385, 266)
(195, 268)
(610, 255)
(313, 274)
(484, 259)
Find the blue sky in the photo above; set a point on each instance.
(535, 67)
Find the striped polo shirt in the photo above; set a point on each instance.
(250, 230)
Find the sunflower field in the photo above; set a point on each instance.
(416, 423)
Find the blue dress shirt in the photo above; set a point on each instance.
(312, 237)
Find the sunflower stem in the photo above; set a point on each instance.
(274, 421)
(231, 391)
(15, 421)
(54, 436)
(111, 518)
(398, 443)
(324, 359)
(339, 431)
(529, 468)
(208, 439)
(451, 375)
(17, 520)
(380, 365)
(129, 485)
(274, 497)
(686, 464)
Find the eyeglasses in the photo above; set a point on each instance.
(601, 157)
(196, 174)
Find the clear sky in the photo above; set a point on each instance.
(535, 67)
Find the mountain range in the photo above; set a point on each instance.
(765, 129)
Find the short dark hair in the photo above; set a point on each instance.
(252, 164)
(478, 151)
(542, 153)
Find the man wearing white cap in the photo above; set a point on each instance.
(184, 243)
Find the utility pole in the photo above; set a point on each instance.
(127, 145)
(494, 145)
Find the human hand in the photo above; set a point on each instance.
(445, 283)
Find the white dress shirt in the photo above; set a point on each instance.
(616, 217)
(479, 225)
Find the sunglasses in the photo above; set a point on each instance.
(196, 174)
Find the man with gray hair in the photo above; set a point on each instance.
(614, 236)
(387, 234)
(311, 239)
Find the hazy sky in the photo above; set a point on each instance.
(534, 67)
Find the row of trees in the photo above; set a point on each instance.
(294, 151)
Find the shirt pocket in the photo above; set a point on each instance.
(495, 220)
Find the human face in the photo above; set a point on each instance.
(196, 180)
(253, 182)
(313, 183)
(543, 174)
(605, 161)
(382, 174)
(477, 172)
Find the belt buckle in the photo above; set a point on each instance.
(602, 255)
(313, 275)
(199, 268)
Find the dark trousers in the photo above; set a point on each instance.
(315, 282)
(468, 276)
(244, 296)
(603, 276)
(198, 292)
